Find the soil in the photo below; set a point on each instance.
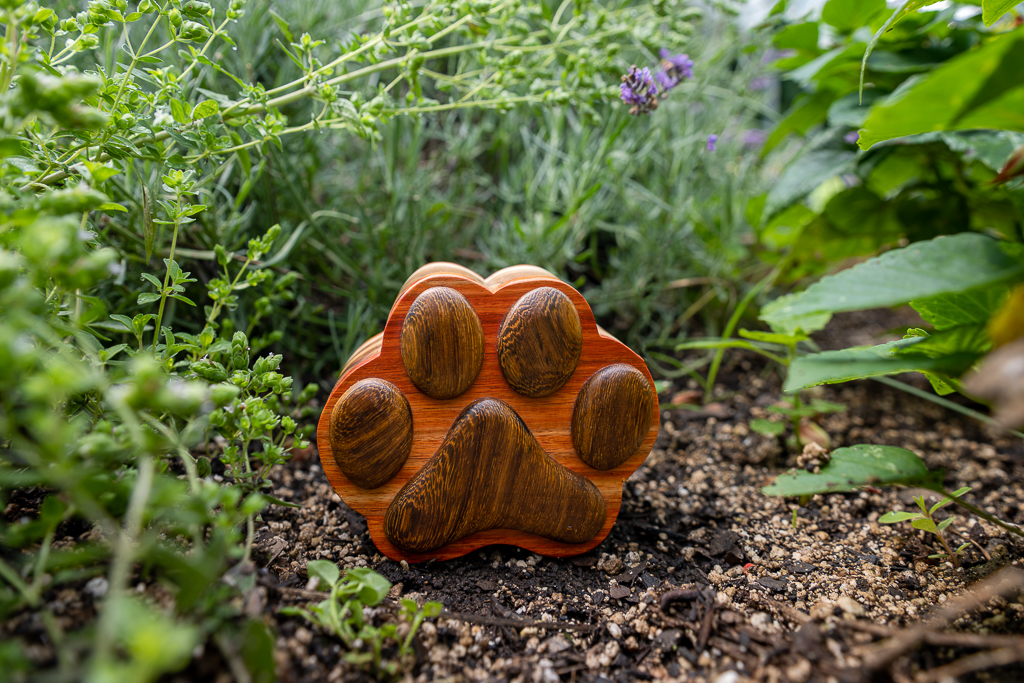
(703, 577)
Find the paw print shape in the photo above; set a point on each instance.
(487, 411)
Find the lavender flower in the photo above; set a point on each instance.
(852, 137)
(642, 90)
(712, 142)
(676, 66)
(638, 89)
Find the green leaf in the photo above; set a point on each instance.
(767, 427)
(124, 320)
(924, 525)
(850, 468)
(283, 25)
(371, 587)
(204, 109)
(148, 298)
(773, 338)
(981, 88)
(992, 10)
(973, 307)
(111, 206)
(831, 367)
(805, 174)
(924, 269)
(149, 277)
(99, 172)
(968, 339)
(847, 15)
(324, 570)
(798, 37)
(898, 516)
(178, 111)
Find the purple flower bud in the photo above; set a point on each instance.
(852, 137)
(638, 89)
(712, 142)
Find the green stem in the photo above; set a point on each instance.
(167, 275)
(12, 577)
(974, 509)
(734, 320)
(106, 631)
(946, 403)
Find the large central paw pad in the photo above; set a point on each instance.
(488, 411)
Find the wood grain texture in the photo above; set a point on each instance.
(612, 416)
(540, 342)
(490, 473)
(371, 432)
(548, 418)
(442, 343)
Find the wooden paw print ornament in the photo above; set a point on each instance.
(488, 411)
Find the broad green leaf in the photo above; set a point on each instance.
(324, 570)
(946, 522)
(767, 427)
(921, 270)
(850, 111)
(992, 10)
(847, 15)
(111, 206)
(805, 174)
(204, 109)
(898, 516)
(972, 307)
(785, 228)
(850, 468)
(147, 298)
(978, 89)
(798, 37)
(968, 339)
(924, 525)
(830, 367)
(806, 111)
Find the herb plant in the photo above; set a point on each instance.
(341, 613)
(925, 520)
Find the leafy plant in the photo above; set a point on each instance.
(855, 467)
(910, 153)
(341, 613)
(925, 520)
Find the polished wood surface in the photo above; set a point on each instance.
(539, 342)
(548, 419)
(371, 432)
(490, 473)
(442, 343)
(612, 416)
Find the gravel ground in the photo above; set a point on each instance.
(703, 577)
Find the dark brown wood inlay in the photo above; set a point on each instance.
(540, 342)
(442, 343)
(612, 416)
(371, 432)
(490, 473)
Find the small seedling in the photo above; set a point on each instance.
(800, 416)
(342, 614)
(925, 521)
